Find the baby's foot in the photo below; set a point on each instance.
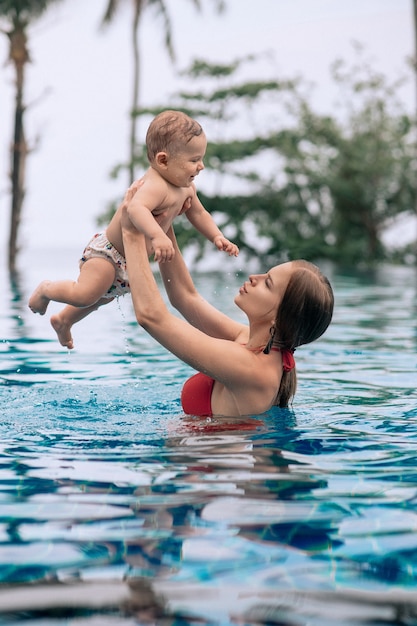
(38, 302)
(63, 331)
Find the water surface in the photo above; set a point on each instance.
(115, 508)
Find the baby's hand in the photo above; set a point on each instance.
(225, 245)
(163, 248)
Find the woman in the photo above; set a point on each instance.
(242, 369)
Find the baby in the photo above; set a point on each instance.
(176, 145)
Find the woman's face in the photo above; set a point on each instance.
(260, 296)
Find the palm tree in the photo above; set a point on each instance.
(15, 18)
(139, 6)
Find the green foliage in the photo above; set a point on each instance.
(307, 185)
(22, 11)
(202, 69)
(370, 176)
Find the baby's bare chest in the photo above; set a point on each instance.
(173, 204)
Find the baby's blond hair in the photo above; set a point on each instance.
(169, 131)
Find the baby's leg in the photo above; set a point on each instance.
(38, 302)
(63, 321)
(96, 277)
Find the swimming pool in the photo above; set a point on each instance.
(116, 509)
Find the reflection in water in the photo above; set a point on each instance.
(221, 524)
(117, 509)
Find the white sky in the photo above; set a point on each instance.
(79, 87)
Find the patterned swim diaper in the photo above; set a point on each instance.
(99, 246)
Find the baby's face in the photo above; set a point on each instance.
(186, 163)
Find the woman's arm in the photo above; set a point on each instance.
(223, 360)
(185, 298)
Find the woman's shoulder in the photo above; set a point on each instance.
(242, 336)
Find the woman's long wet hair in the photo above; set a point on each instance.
(304, 314)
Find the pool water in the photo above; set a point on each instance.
(117, 509)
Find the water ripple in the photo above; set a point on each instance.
(117, 509)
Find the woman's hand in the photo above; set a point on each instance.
(130, 192)
(126, 222)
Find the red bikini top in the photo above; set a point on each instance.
(197, 390)
(196, 395)
(288, 361)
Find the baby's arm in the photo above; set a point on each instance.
(201, 219)
(140, 213)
